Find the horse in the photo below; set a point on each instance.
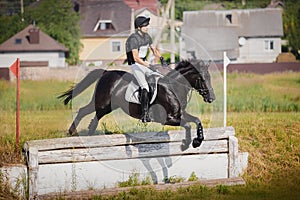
(172, 95)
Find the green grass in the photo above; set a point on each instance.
(34, 95)
(263, 109)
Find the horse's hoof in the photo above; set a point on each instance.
(196, 142)
(72, 132)
(185, 145)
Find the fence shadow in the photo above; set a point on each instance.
(149, 151)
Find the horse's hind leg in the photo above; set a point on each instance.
(94, 122)
(82, 112)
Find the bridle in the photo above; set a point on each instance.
(200, 85)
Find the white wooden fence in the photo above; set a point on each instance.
(97, 162)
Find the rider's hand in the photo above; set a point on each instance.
(163, 62)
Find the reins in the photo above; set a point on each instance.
(190, 88)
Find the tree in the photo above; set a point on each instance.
(10, 25)
(58, 19)
(291, 21)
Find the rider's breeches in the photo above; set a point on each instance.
(139, 72)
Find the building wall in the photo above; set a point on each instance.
(92, 48)
(54, 59)
(258, 50)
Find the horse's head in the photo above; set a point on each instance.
(199, 79)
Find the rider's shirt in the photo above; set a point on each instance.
(139, 42)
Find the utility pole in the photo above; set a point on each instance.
(172, 35)
(158, 36)
(22, 10)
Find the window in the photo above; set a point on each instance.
(18, 41)
(116, 46)
(229, 18)
(103, 25)
(269, 45)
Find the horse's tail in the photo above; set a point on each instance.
(81, 86)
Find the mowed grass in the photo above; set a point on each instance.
(263, 109)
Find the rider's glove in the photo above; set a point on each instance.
(163, 62)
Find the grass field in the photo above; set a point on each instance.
(263, 109)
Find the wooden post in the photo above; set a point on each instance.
(233, 157)
(33, 169)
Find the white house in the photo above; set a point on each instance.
(246, 35)
(34, 48)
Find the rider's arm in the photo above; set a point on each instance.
(137, 59)
(155, 51)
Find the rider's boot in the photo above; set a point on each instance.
(145, 105)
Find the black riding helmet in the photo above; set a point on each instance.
(141, 21)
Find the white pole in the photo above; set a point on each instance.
(226, 61)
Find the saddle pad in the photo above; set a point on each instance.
(132, 92)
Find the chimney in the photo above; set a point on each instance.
(34, 36)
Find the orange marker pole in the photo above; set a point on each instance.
(18, 105)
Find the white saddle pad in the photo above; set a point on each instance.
(132, 92)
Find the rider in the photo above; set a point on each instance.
(137, 46)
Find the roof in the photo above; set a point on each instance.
(152, 5)
(210, 32)
(115, 12)
(249, 23)
(46, 43)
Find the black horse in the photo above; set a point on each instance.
(172, 95)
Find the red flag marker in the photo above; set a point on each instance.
(15, 69)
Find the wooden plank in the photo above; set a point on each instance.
(107, 174)
(233, 157)
(33, 169)
(122, 139)
(129, 152)
(87, 194)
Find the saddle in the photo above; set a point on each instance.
(133, 89)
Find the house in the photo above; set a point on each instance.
(152, 5)
(106, 25)
(246, 35)
(34, 48)
(147, 8)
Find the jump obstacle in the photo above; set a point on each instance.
(96, 162)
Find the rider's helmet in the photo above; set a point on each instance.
(141, 21)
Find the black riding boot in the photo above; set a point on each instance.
(145, 105)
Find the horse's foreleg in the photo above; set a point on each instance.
(183, 123)
(200, 137)
(188, 139)
(82, 112)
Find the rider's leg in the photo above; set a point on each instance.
(139, 73)
(145, 105)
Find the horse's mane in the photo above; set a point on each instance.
(182, 64)
(180, 68)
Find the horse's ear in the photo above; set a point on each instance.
(208, 63)
(201, 63)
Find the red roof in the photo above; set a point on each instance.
(152, 5)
